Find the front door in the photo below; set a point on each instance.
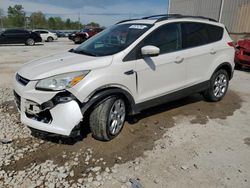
(166, 73)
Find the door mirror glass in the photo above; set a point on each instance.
(150, 51)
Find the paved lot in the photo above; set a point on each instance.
(186, 143)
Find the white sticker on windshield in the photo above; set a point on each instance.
(138, 26)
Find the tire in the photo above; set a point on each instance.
(107, 119)
(30, 42)
(78, 40)
(218, 86)
(50, 39)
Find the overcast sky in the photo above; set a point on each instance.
(105, 12)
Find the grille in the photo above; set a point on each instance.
(22, 80)
(17, 100)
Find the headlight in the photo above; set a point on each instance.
(61, 82)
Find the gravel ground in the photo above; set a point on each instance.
(186, 143)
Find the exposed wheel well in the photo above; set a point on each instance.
(102, 94)
(227, 67)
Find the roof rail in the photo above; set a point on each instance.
(162, 17)
(179, 16)
(128, 20)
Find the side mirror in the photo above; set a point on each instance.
(150, 51)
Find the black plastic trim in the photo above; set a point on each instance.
(173, 96)
(22, 80)
(228, 68)
(101, 94)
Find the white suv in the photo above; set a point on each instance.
(133, 65)
(46, 35)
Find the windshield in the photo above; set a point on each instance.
(112, 40)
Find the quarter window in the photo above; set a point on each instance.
(215, 33)
(197, 34)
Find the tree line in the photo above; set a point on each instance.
(17, 18)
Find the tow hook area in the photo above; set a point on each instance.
(41, 112)
(34, 111)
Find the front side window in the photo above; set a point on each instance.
(43, 32)
(112, 40)
(167, 38)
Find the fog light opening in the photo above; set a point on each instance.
(44, 116)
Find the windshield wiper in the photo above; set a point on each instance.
(84, 52)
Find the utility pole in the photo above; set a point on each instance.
(169, 6)
(1, 17)
(221, 10)
(79, 19)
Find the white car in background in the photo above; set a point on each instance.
(46, 35)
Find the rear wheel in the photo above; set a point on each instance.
(107, 119)
(30, 42)
(218, 86)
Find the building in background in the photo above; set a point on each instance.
(235, 14)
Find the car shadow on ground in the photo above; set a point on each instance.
(15, 45)
(245, 69)
(131, 120)
(165, 107)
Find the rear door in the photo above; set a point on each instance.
(22, 36)
(199, 42)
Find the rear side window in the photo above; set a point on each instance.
(197, 34)
(11, 31)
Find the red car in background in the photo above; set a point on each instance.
(84, 34)
(242, 53)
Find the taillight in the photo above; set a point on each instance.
(231, 44)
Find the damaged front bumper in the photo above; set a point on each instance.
(52, 112)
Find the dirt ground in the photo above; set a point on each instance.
(185, 143)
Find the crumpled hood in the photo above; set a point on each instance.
(62, 63)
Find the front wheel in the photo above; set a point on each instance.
(107, 119)
(218, 86)
(49, 39)
(30, 42)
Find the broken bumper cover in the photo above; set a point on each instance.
(51, 112)
(64, 118)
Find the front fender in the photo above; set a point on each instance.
(103, 93)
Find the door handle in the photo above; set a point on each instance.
(179, 60)
(129, 72)
(212, 52)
